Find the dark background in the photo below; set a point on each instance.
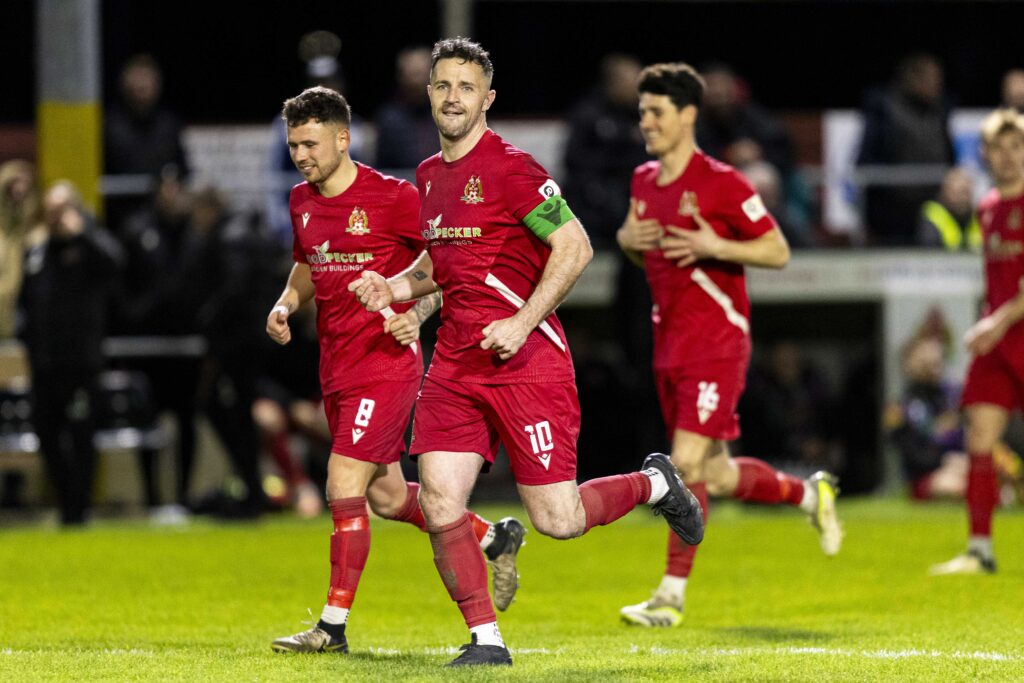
(234, 62)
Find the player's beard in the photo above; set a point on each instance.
(323, 170)
(458, 129)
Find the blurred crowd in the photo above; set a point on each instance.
(186, 275)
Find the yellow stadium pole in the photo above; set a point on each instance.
(68, 111)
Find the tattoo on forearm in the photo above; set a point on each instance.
(426, 305)
(420, 275)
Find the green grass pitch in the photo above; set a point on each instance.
(125, 602)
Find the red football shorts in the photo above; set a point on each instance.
(538, 423)
(368, 422)
(995, 378)
(702, 397)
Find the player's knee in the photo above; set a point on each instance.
(717, 488)
(560, 530)
(690, 467)
(384, 505)
(439, 508)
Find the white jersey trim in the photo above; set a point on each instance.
(518, 302)
(722, 299)
(389, 312)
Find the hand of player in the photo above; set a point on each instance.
(984, 335)
(688, 246)
(372, 290)
(638, 235)
(277, 325)
(404, 327)
(505, 337)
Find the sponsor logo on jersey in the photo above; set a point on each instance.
(549, 189)
(688, 205)
(473, 192)
(358, 223)
(998, 248)
(707, 400)
(428, 189)
(434, 231)
(305, 218)
(322, 255)
(754, 208)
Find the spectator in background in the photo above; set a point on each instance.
(232, 260)
(603, 148)
(65, 296)
(19, 214)
(906, 123)
(785, 411)
(949, 220)
(157, 239)
(926, 428)
(406, 134)
(736, 129)
(319, 50)
(741, 132)
(1013, 89)
(139, 135)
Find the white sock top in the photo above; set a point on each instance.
(659, 487)
(334, 615)
(488, 634)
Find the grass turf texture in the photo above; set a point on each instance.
(125, 602)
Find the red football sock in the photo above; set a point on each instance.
(350, 546)
(461, 565)
(608, 498)
(982, 493)
(680, 555)
(411, 513)
(761, 483)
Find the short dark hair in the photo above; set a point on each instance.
(318, 103)
(463, 49)
(679, 81)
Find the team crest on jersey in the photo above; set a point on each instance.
(473, 193)
(358, 223)
(1013, 220)
(688, 205)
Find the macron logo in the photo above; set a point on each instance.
(305, 218)
(545, 459)
(357, 434)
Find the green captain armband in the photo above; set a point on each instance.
(548, 216)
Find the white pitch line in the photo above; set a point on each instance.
(637, 650)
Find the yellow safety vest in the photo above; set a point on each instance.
(949, 230)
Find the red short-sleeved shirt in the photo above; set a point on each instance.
(1002, 227)
(700, 311)
(371, 225)
(487, 262)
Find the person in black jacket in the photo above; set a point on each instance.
(65, 298)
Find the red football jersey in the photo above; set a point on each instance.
(701, 311)
(373, 226)
(487, 262)
(1002, 227)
